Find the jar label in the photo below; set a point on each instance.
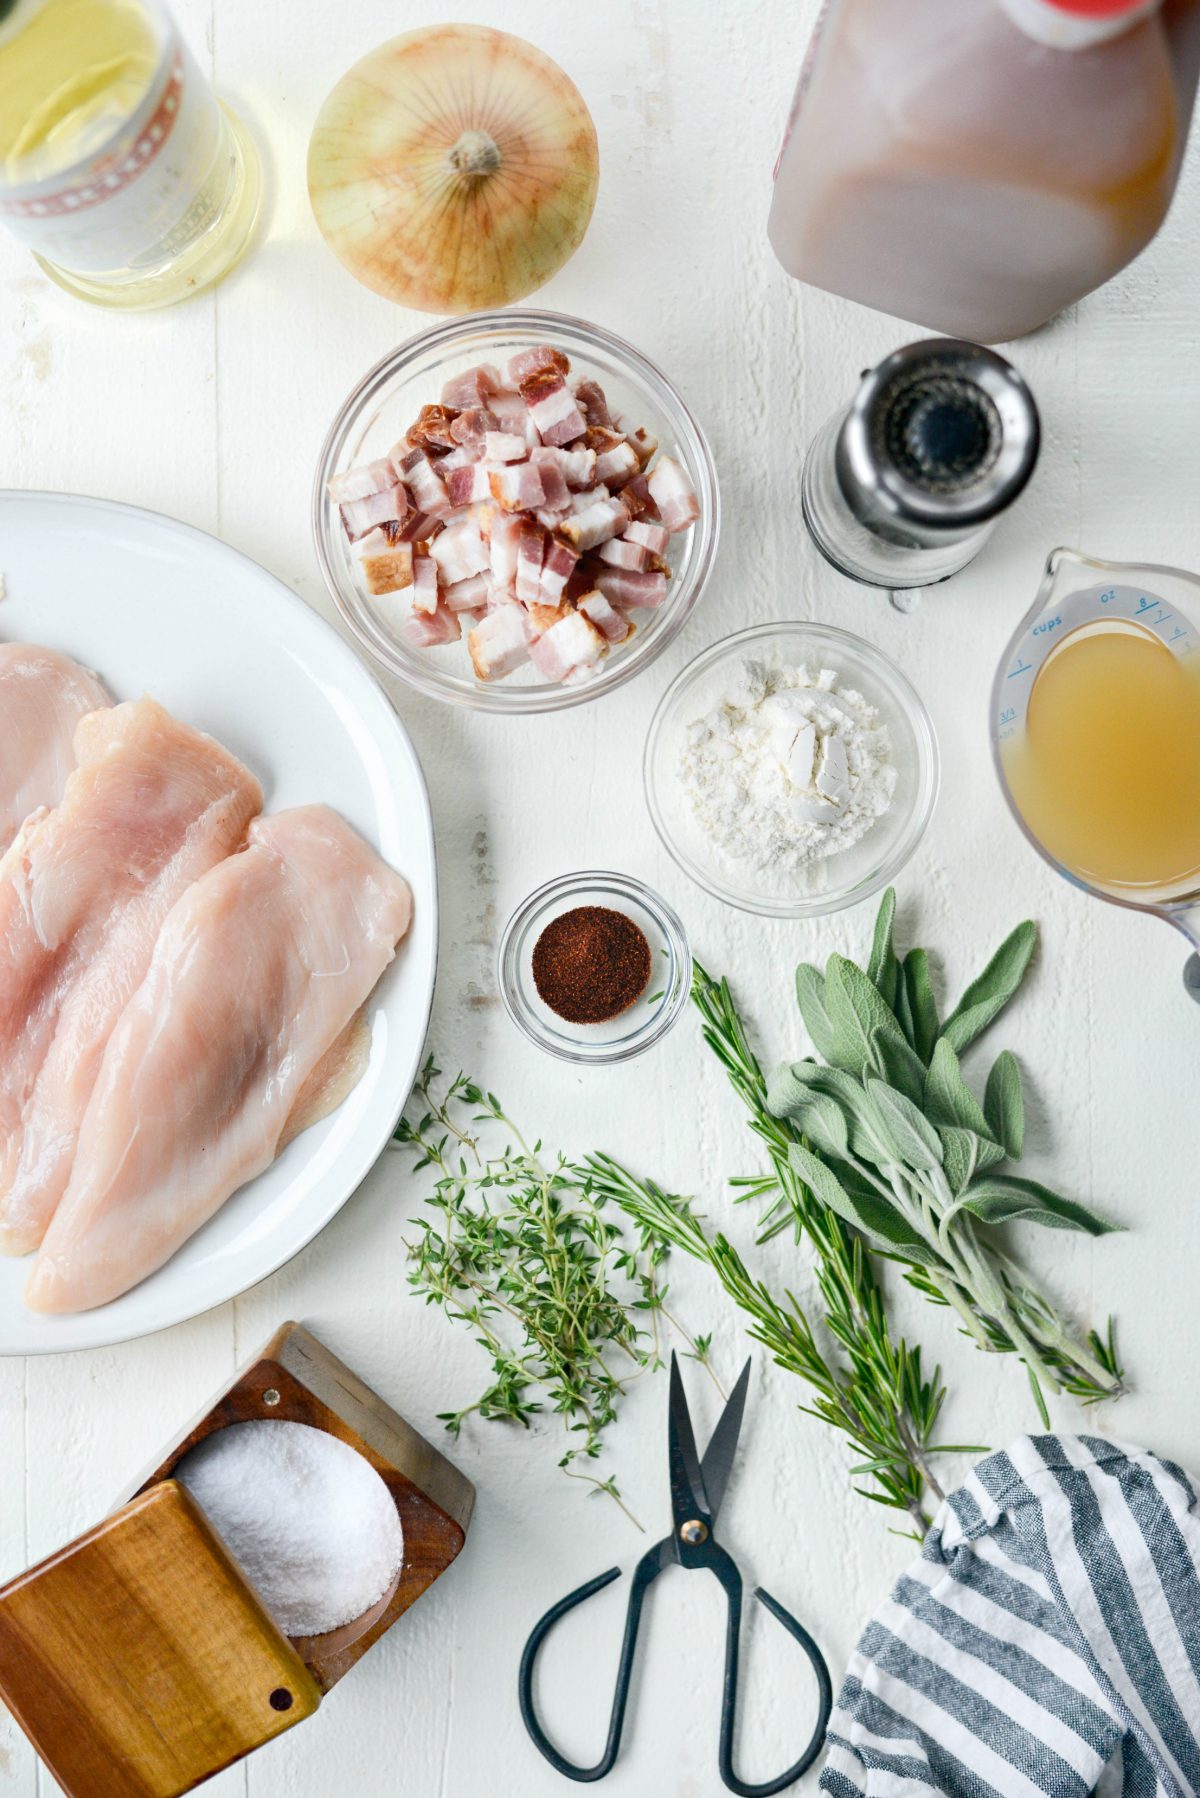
(137, 197)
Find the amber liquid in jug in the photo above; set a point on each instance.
(943, 164)
(1107, 774)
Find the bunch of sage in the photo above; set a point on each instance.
(897, 1145)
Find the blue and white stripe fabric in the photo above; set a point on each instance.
(1049, 1630)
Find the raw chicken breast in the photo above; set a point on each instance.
(42, 698)
(257, 974)
(84, 890)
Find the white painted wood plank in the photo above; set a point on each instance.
(215, 412)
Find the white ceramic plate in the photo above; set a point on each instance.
(157, 607)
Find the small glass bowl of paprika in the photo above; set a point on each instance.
(594, 967)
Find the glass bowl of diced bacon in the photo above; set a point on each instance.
(515, 511)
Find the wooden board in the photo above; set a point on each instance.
(138, 1661)
(297, 1380)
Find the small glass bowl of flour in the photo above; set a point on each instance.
(791, 769)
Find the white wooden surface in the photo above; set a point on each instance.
(214, 412)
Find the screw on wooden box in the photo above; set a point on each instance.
(139, 1660)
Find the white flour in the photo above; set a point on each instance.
(791, 767)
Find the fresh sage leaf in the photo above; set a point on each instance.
(996, 1198)
(1003, 1105)
(899, 1064)
(855, 1010)
(922, 1006)
(810, 993)
(883, 969)
(965, 1154)
(913, 1140)
(948, 1098)
(986, 997)
(824, 1124)
(789, 1088)
(865, 1210)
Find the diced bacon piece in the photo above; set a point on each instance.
(431, 429)
(577, 466)
(541, 359)
(617, 465)
(545, 617)
(557, 566)
(424, 584)
(529, 563)
(469, 595)
(603, 519)
(386, 567)
(651, 536)
(608, 621)
(554, 487)
(428, 490)
(552, 408)
(673, 494)
(458, 457)
(428, 630)
(472, 387)
(590, 395)
(644, 444)
(639, 499)
(361, 482)
(472, 426)
(384, 536)
(505, 446)
(466, 485)
(581, 501)
(510, 409)
(362, 515)
(619, 552)
(550, 517)
(500, 642)
(574, 642)
(517, 486)
(503, 542)
(460, 552)
(419, 527)
(625, 587)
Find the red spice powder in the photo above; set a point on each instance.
(591, 964)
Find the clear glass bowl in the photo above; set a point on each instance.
(648, 1018)
(839, 880)
(380, 410)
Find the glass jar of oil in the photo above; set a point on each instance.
(129, 182)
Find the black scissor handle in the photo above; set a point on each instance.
(726, 1571)
(646, 1570)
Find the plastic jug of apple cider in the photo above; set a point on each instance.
(977, 165)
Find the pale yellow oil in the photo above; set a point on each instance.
(70, 75)
(1107, 776)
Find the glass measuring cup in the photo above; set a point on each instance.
(1080, 595)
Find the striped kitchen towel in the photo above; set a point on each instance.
(1050, 1627)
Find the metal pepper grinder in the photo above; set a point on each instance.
(904, 486)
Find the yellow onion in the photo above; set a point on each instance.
(454, 168)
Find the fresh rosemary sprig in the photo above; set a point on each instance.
(877, 1396)
(898, 1146)
(520, 1253)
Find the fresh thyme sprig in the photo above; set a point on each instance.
(520, 1253)
(891, 1138)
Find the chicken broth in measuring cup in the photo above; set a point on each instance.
(1107, 772)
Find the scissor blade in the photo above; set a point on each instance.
(717, 1461)
(688, 1496)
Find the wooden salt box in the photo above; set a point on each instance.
(139, 1660)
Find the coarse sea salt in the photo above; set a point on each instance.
(311, 1523)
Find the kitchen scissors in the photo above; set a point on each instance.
(697, 1488)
